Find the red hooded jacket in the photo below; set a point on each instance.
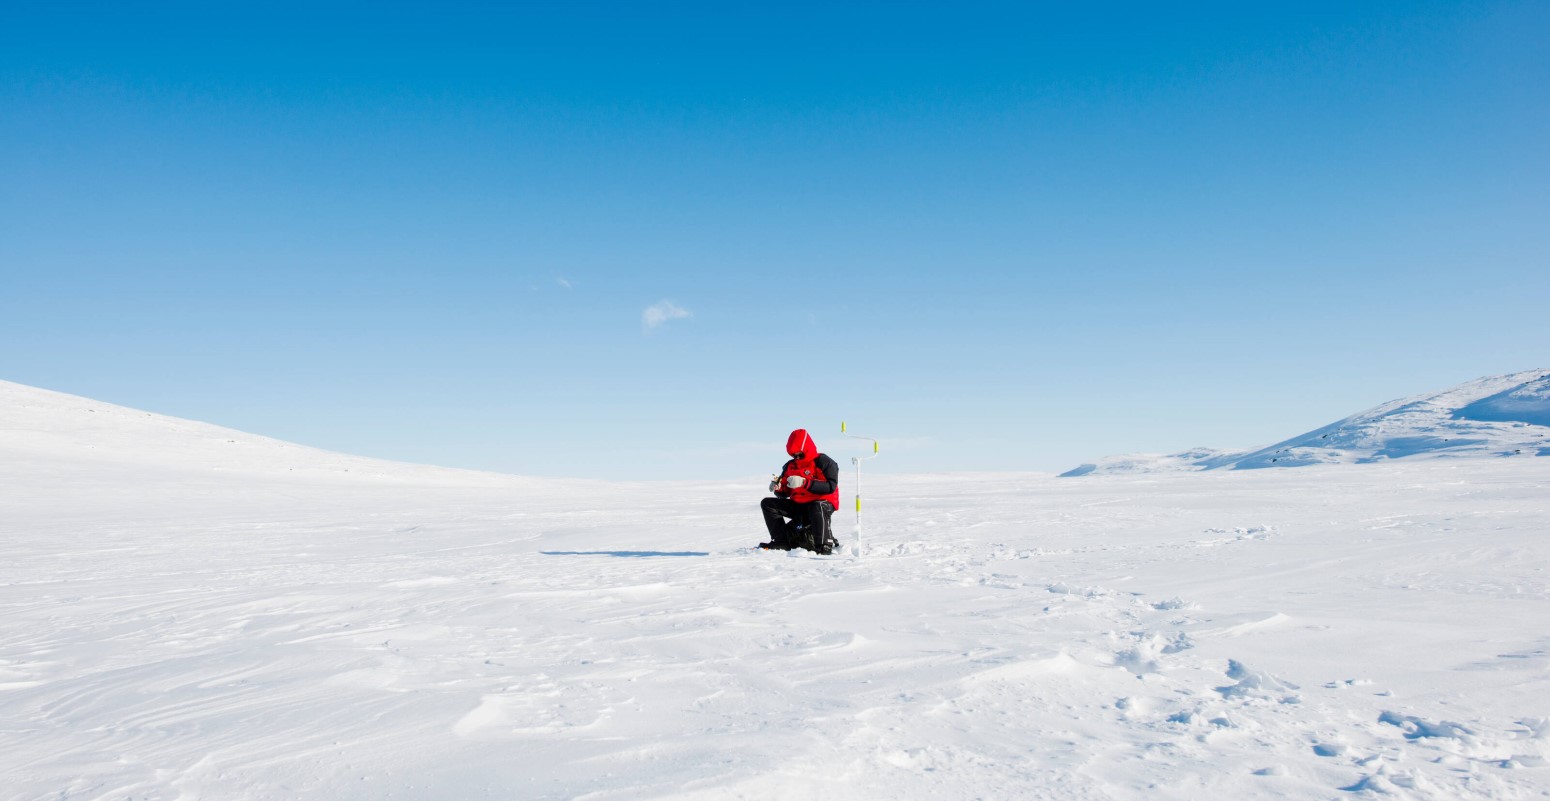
(822, 473)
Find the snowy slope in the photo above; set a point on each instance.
(186, 622)
(53, 430)
(1506, 415)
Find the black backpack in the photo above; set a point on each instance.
(818, 542)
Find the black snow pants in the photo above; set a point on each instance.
(809, 526)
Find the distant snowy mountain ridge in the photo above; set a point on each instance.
(1497, 416)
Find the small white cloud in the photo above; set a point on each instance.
(560, 279)
(660, 313)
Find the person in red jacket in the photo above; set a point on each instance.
(807, 492)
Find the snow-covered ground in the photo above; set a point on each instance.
(1502, 416)
(189, 612)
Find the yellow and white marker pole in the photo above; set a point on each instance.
(856, 460)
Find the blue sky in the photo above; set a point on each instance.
(994, 236)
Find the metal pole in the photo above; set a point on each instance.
(856, 460)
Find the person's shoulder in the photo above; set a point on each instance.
(824, 457)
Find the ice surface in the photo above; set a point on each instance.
(190, 612)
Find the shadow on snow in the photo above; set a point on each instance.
(627, 554)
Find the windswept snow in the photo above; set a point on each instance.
(1497, 416)
(194, 613)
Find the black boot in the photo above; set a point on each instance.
(781, 540)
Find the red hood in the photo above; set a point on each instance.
(800, 443)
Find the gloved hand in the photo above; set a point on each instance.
(795, 481)
(775, 484)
